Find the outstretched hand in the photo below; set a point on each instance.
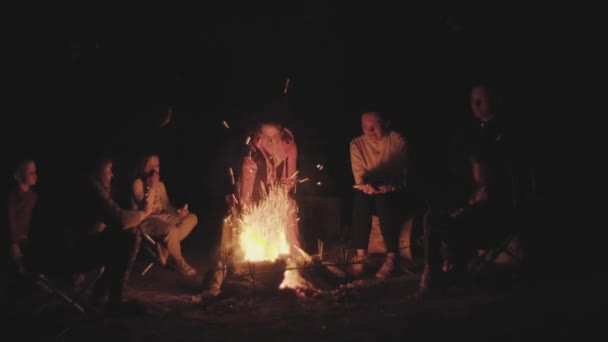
(371, 190)
(456, 213)
(366, 188)
(183, 211)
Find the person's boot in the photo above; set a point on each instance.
(184, 268)
(431, 283)
(99, 297)
(357, 267)
(216, 280)
(117, 304)
(387, 268)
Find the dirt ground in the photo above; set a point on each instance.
(512, 307)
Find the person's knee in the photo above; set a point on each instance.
(192, 219)
(171, 233)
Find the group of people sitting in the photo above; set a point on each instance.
(99, 232)
(476, 217)
(467, 220)
(107, 234)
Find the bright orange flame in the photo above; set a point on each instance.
(263, 227)
(263, 234)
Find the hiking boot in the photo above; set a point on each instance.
(432, 283)
(358, 266)
(387, 268)
(184, 268)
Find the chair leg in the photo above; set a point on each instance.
(43, 282)
(504, 248)
(147, 268)
(89, 287)
(490, 255)
(148, 238)
(152, 253)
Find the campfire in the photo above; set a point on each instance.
(260, 244)
(263, 239)
(263, 227)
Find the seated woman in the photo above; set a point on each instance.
(167, 224)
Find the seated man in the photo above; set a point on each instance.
(102, 234)
(378, 160)
(484, 217)
(166, 223)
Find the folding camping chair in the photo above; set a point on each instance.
(42, 284)
(525, 202)
(491, 255)
(31, 301)
(53, 290)
(150, 246)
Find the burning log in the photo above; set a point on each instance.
(323, 275)
(258, 245)
(263, 274)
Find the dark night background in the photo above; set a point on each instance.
(99, 78)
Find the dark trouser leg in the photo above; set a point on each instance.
(362, 219)
(460, 248)
(469, 231)
(134, 246)
(122, 247)
(87, 254)
(388, 215)
(432, 242)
